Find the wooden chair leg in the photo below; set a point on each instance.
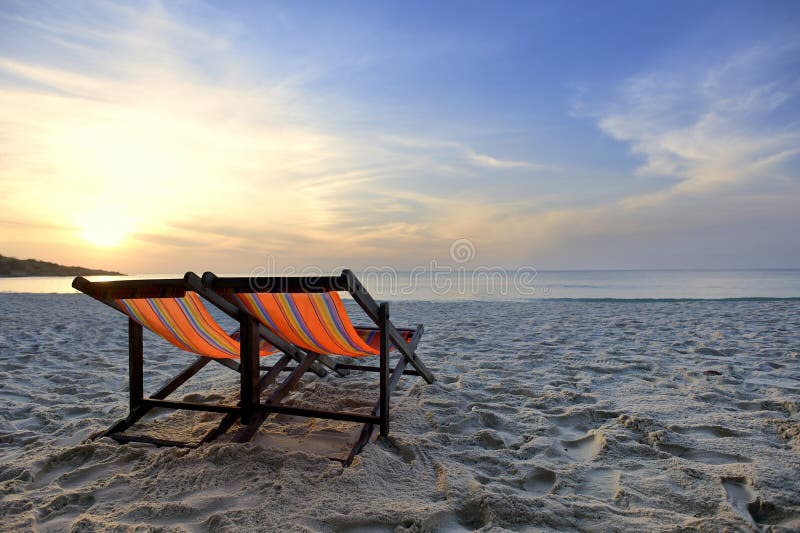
(135, 364)
(248, 357)
(367, 429)
(383, 319)
(397, 373)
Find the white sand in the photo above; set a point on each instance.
(546, 415)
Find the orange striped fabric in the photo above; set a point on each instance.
(313, 321)
(372, 336)
(186, 323)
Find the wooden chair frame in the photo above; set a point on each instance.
(250, 410)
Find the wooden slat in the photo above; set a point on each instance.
(131, 288)
(181, 378)
(366, 368)
(274, 372)
(284, 369)
(408, 352)
(223, 427)
(323, 413)
(289, 383)
(229, 363)
(361, 296)
(284, 284)
(233, 365)
(366, 431)
(191, 406)
(376, 328)
(124, 439)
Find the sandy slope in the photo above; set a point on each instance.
(592, 416)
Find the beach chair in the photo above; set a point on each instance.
(308, 313)
(301, 317)
(171, 309)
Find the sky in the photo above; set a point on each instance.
(159, 137)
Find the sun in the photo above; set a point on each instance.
(104, 228)
(104, 236)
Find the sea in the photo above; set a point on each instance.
(526, 284)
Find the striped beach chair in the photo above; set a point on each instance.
(172, 310)
(300, 319)
(308, 313)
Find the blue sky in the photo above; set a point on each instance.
(555, 135)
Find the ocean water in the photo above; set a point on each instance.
(499, 284)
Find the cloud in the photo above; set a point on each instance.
(465, 152)
(708, 128)
(492, 162)
(718, 144)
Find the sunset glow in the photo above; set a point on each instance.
(104, 228)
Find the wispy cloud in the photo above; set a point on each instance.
(493, 162)
(709, 128)
(465, 152)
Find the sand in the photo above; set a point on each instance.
(547, 416)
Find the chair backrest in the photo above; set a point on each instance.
(315, 321)
(186, 323)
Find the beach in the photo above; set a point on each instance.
(591, 207)
(547, 415)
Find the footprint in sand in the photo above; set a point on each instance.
(763, 405)
(584, 448)
(489, 439)
(80, 465)
(577, 423)
(539, 480)
(578, 432)
(706, 432)
(702, 456)
(739, 494)
(409, 453)
(450, 522)
(63, 509)
(364, 527)
(767, 513)
(600, 483)
(471, 516)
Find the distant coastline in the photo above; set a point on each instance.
(11, 267)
